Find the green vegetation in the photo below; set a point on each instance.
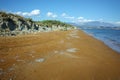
(3, 14)
(49, 23)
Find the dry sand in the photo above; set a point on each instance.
(60, 55)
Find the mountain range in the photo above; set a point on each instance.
(96, 25)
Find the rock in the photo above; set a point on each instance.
(12, 25)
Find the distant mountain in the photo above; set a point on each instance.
(96, 25)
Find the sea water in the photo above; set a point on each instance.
(109, 36)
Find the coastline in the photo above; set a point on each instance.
(58, 55)
(108, 40)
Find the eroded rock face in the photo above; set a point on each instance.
(11, 25)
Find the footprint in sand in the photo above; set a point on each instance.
(40, 60)
(2, 60)
(74, 34)
(72, 50)
(1, 71)
(67, 52)
(62, 41)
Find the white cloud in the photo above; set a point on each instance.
(35, 12)
(117, 23)
(82, 20)
(100, 19)
(69, 17)
(64, 15)
(18, 13)
(26, 14)
(50, 14)
(32, 13)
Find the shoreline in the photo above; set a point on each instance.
(112, 46)
(60, 55)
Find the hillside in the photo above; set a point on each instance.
(12, 24)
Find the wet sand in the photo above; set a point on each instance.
(60, 55)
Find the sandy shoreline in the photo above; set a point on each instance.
(60, 55)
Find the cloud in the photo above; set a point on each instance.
(69, 17)
(117, 23)
(50, 14)
(64, 15)
(100, 19)
(83, 20)
(80, 18)
(34, 12)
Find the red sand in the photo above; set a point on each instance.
(60, 55)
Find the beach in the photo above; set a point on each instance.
(57, 55)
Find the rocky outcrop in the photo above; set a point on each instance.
(11, 25)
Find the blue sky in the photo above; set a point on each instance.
(65, 10)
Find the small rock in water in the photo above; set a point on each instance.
(71, 50)
(40, 60)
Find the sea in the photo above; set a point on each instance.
(110, 37)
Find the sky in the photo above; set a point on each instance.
(65, 10)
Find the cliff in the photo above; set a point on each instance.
(12, 24)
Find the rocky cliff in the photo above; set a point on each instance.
(11, 25)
